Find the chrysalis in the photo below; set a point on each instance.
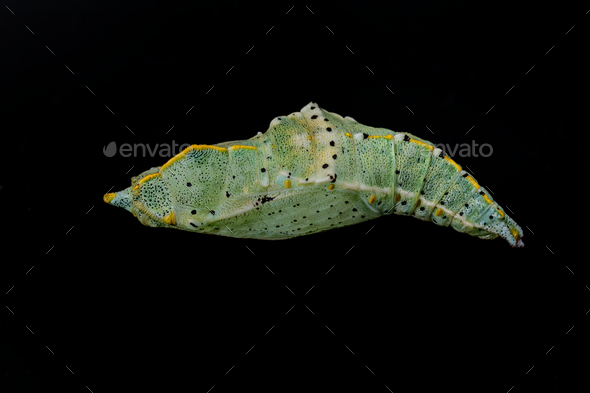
(309, 172)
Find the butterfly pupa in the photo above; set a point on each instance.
(310, 172)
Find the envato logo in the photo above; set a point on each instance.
(142, 150)
(467, 150)
(170, 150)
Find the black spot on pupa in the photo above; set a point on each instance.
(491, 217)
(227, 194)
(354, 209)
(362, 216)
(194, 225)
(466, 205)
(329, 129)
(442, 154)
(482, 193)
(188, 184)
(434, 221)
(334, 156)
(404, 202)
(397, 172)
(233, 177)
(212, 212)
(345, 201)
(266, 199)
(314, 117)
(325, 119)
(263, 170)
(335, 176)
(465, 175)
(313, 107)
(422, 208)
(325, 166)
(331, 143)
(365, 136)
(193, 212)
(406, 138)
(444, 217)
(442, 203)
(447, 193)
(461, 213)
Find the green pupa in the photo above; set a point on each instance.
(310, 172)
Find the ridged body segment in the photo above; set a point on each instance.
(312, 171)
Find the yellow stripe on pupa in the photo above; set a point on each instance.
(422, 144)
(109, 197)
(453, 163)
(148, 177)
(241, 147)
(170, 219)
(190, 148)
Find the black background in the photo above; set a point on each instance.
(131, 308)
